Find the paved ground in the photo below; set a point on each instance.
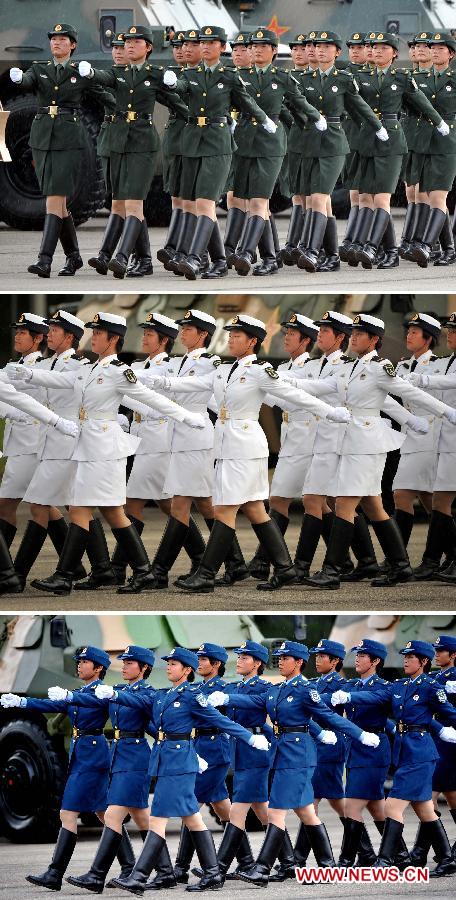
(17, 861)
(243, 596)
(19, 248)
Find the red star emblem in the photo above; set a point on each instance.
(276, 28)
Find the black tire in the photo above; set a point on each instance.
(22, 205)
(157, 205)
(32, 777)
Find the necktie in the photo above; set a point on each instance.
(233, 367)
(147, 366)
(354, 367)
(290, 365)
(21, 361)
(381, 76)
(323, 363)
(59, 70)
(260, 78)
(451, 360)
(413, 366)
(53, 363)
(182, 363)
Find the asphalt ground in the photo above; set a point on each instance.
(19, 248)
(243, 596)
(18, 860)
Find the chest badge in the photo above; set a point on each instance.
(176, 703)
(220, 85)
(416, 697)
(147, 83)
(394, 87)
(334, 88)
(448, 87)
(241, 379)
(289, 699)
(274, 86)
(73, 79)
(100, 380)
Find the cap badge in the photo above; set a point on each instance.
(325, 315)
(409, 644)
(372, 34)
(437, 37)
(293, 319)
(320, 644)
(84, 650)
(312, 34)
(192, 34)
(356, 320)
(188, 314)
(243, 646)
(132, 30)
(356, 37)
(235, 321)
(361, 643)
(415, 317)
(56, 315)
(380, 37)
(59, 28)
(96, 317)
(120, 37)
(423, 35)
(324, 34)
(150, 317)
(240, 38)
(259, 34)
(208, 31)
(201, 647)
(283, 645)
(21, 318)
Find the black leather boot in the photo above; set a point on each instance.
(242, 260)
(360, 234)
(294, 233)
(244, 857)
(217, 548)
(119, 562)
(422, 250)
(276, 241)
(260, 565)
(303, 242)
(168, 550)
(421, 847)
(349, 232)
(57, 531)
(350, 843)
(270, 536)
(368, 254)
(307, 545)
(407, 231)
(194, 545)
(51, 234)
(125, 857)
(405, 522)
(29, 549)
(286, 869)
(235, 566)
(321, 845)
(331, 247)
(164, 878)
(302, 846)
(430, 564)
(308, 260)
(266, 249)
(191, 264)
(420, 219)
(390, 843)
(73, 550)
(453, 816)
(8, 531)
(235, 221)
(167, 252)
(118, 264)
(216, 248)
(366, 852)
(448, 255)
(390, 540)
(53, 876)
(113, 230)
(142, 252)
(446, 865)
(94, 879)
(270, 849)
(390, 260)
(151, 852)
(186, 232)
(69, 242)
(184, 856)
(363, 549)
(134, 550)
(339, 542)
(211, 879)
(102, 574)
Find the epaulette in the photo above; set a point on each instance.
(347, 359)
(433, 358)
(117, 362)
(39, 359)
(79, 357)
(208, 355)
(73, 65)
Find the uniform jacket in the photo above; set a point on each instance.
(148, 424)
(326, 685)
(444, 749)
(299, 426)
(198, 362)
(352, 122)
(52, 444)
(11, 400)
(214, 748)
(98, 390)
(427, 364)
(445, 380)
(87, 752)
(172, 135)
(440, 90)
(370, 718)
(255, 718)
(21, 438)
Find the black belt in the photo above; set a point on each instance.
(255, 729)
(247, 117)
(403, 728)
(54, 110)
(81, 732)
(129, 115)
(119, 733)
(109, 118)
(333, 119)
(207, 120)
(187, 736)
(285, 729)
(203, 732)
(390, 118)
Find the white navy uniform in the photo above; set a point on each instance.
(363, 443)
(445, 381)
(20, 441)
(241, 448)
(12, 400)
(102, 447)
(418, 462)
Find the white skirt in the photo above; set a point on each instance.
(52, 482)
(360, 475)
(147, 477)
(240, 481)
(19, 471)
(289, 476)
(416, 472)
(190, 474)
(321, 478)
(445, 479)
(99, 483)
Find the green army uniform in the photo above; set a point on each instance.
(351, 124)
(172, 135)
(243, 39)
(102, 140)
(434, 160)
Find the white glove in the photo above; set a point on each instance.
(202, 765)
(448, 734)
(16, 75)
(195, 420)
(339, 698)
(369, 740)
(233, 125)
(10, 700)
(123, 422)
(339, 414)
(418, 424)
(450, 687)
(327, 737)
(59, 693)
(421, 381)
(85, 69)
(450, 414)
(443, 128)
(170, 79)
(217, 698)
(66, 426)
(18, 373)
(321, 124)
(269, 126)
(259, 741)
(382, 134)
(104, 691)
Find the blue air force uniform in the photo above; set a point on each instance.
(328, 778)
(444, 778)
(213, 745)
(366, 769)
(251, 769)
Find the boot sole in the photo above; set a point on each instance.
(188, 590)
(35, 271)
(117, 268)
(253, 881)
(99, 268)
(37, 883)
(185, 269)
(48, 590)
(98, 890)
(242, 266)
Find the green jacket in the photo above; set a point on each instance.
(441, 92)
(398, 87)
(270, 92)
(172, 135)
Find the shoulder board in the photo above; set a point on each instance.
(79, 357)
(119, 687)
(378, 359)
(347, 359)
(116, 362)
(209, 355)
(40, 359)
(433, 358)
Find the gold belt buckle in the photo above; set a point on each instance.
(275, 729)
(53, 110)
(201, 121)
(161, 735)
(131, 115)
(82, 414)
(75, 733)
(193, 733)
(400, 727)
(223, 414)
(116, 734)
(137, 417)
(285, 416)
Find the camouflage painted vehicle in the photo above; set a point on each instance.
(37, 652)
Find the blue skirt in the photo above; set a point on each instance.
(291, 788)
(367, 783)
(444, 778)
(251, 786)
(129, 789)
(174, 795)
(210, 786)
(86, 792)
(328, 781)
(413, 782)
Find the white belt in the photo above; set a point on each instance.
(296, 416)
(70, 413)
(363, 411)
(225, 414)
(85, 416)
(140, 417)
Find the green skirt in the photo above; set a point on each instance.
(130, 174)
(314, 176)
(172, 174)
(204, 177)
(58, 171)
(434, 173)
(349, 171)
(378, 174)
(256, 177)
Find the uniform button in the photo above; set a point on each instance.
(129, 106)
(297, 740)
(137, 741)
(56, 88)
(201, 108)
(204, 94)
(178, 746)
(131, 91)
(212, 737)
(94, 743)
(258, 95)
(433, 96)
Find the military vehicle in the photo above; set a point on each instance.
(37, 652)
